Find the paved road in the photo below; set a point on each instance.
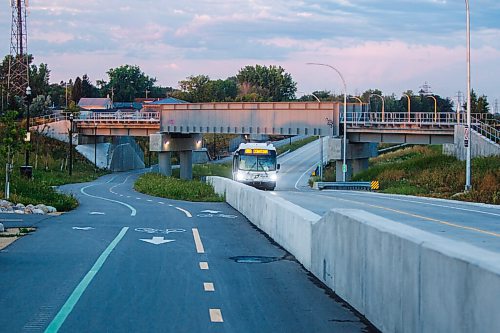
(99, 269)
(477, 224)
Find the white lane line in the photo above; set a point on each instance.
(138, 198)
(128, 196)
(82, 190)
(149, 200)
(203, 265)
(188, 214)
(306, 172)
(112, 187)
(433, 204)
(170, 205)
(216, 316)
(111, 179)
(161, 203)
(197, 241)
(208, 286)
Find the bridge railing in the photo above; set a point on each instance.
(102, 117)
(400, 118)
(485, 130)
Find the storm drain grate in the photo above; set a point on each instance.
(254, 259)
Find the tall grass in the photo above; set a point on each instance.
(178, 189)
(425, 171)
(49, 159)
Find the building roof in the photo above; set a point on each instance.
(127, 105)
(169, 100)
(95, 103)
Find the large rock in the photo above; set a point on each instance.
(42, 208)
(51, 209)
(38, 211)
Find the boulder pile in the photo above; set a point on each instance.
(40, 209)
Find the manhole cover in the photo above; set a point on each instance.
(254, 259)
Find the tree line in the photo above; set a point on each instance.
(251, 84)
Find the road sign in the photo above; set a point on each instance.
(466, 137)
(344, 167)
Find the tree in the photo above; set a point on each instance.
(12, 136)
(88, 89)
(125, 83)
(478, 105)
(269, 83)
(76, 92)
(40, 106)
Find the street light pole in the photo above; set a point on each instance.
(344, 165)
(27, 157)
(70, 164)
(435, 107)
(383, 105)
(467, 141)
(409, 106)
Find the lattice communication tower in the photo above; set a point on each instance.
(18, 76)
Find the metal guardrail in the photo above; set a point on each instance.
(485, 130)
(363, 186)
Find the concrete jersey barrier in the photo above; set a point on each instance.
(400, 278)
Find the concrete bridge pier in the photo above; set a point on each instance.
(186, 164)
(357, 156)
(165, 143)
(164, 163)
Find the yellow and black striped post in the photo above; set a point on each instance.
(375, 185)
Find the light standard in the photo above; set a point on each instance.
(344, 165)
(70, 164)
(435, 107)
(383, 105)
(409, 105)
(27, 157)
(467, 137)
(320, 146)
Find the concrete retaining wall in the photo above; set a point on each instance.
(480, 146)
(400, 278)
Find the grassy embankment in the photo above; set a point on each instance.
(425, 171)
(194, 190)
(49, 160)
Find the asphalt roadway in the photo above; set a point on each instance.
(474, 223)
(128, 262)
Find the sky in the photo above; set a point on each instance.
(391, 45)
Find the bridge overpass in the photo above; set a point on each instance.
(178, 127)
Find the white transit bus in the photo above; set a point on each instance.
(255, 164)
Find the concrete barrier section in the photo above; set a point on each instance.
(287, 224)
(400, 278)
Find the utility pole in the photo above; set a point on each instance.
(18, 74)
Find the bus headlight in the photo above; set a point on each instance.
(240, 176)
(273, 177)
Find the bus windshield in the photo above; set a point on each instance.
(257, 163)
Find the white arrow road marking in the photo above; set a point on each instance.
(97, 213)
(158, 240)
(211, 211)
(83, 228)
(188, 214)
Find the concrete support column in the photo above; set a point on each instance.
(338, 170)
(164, 163)
(186, 164)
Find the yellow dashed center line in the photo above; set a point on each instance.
(490, 233)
